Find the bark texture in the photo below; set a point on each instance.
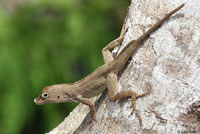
(169, 61)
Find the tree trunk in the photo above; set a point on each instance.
(169, 61)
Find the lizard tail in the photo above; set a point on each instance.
(132, 46)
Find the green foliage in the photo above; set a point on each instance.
(47, 43)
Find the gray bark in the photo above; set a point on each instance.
(169, 61)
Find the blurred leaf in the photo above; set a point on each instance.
(50, 42)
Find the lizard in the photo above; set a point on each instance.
(104, 77)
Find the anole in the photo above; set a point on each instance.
(103, 77)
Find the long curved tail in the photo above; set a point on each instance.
(131, 47)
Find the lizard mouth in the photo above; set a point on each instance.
(35, 100)
(38, 101)
(41, 101)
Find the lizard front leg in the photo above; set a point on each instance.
(115, 95)
(107, 56)
(89, 103)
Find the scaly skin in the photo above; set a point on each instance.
(102, 78)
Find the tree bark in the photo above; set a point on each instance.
(169, 61)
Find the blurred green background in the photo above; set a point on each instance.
(49, 42)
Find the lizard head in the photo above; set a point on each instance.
(53, 94)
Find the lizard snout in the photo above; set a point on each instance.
(37, 101)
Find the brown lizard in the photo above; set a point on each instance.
(102, 78)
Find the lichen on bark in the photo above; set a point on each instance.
(168, 61)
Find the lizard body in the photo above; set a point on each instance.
(102, 78)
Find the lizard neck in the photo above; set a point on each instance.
(65, 89)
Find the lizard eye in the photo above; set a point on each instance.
(44, 95)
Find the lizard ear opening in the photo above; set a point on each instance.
(44, 95)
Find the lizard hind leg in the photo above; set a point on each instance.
(134, 96)
(107, 55)
(115, 95)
